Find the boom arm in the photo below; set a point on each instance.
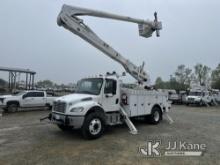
(68, 18)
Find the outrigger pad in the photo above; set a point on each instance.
(169, 118)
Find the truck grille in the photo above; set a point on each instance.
(59, 106)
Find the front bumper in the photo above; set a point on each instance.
(67, 120)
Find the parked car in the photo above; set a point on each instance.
(26, 99)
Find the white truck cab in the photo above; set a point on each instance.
(216, 95)
(101, 101)
(199, 97)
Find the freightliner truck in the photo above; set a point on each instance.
(102, 100)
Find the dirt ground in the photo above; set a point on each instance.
(26, 140)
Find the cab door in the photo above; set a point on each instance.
(40, 99)
(110, 99)
(28, 99)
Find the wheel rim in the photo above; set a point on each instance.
(95, 126)
(156, 116)
(12, 108)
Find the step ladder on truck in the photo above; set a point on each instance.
(102, 100)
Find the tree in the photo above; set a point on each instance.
(202, 74)
(45, 83)
(171, 84)
(3, 83)
(183, 76)
(216, 77)
(174, 84)
(159, 83)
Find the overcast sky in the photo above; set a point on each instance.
(30, 37)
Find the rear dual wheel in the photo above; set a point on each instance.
(155, 116)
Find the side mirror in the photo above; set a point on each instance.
(24, 96)
(109, 95)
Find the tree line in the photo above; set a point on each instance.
(184, 76)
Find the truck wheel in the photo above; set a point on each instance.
(201, 103)
(64, 127)
(12, 107)
(156, 115)
(49, 107)
(93, 126)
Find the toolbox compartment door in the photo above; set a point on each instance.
(133, 105)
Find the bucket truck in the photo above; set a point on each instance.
(102, 100)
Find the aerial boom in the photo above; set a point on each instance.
(68, 18)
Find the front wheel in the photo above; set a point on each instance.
(201, 103)
(156, 115)
(12, 107)
(211, 103)
(49, 107)
(93, 126)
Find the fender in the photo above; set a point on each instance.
(157, 105)
(12, 102)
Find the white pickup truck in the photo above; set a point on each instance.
(26, 99)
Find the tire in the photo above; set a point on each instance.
(13, 107)
(64, 128)
(156, 115)
(201, 103)
(94, 125)
(211, 103)
(49, 107)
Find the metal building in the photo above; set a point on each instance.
(13, 74)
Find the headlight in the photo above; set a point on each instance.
(77, 109)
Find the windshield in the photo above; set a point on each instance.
(89, 86)
(195, 94)
(20, 93)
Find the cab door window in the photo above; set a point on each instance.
(39, 94)
(30, 94)
(110, 86)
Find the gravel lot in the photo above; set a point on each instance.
(26, 140)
